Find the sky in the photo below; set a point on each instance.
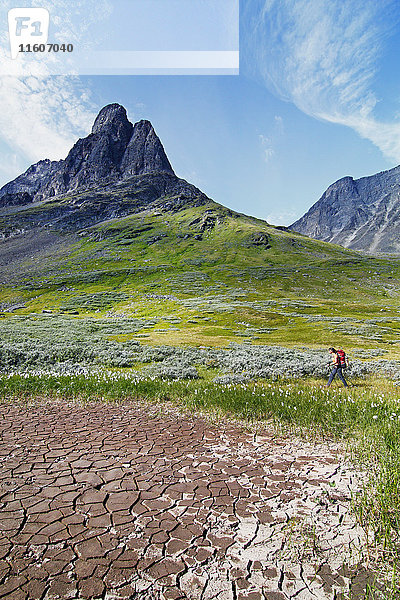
(317, 97)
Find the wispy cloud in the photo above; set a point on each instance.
(323, 56)
(282, 217)
(268, 142)
(10, 165)
(42, 115)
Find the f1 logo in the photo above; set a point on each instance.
(27, 25)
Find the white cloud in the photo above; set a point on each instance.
(41, 116)
(282, 217)
(44, 122)
(10, 166)
(268, 142)
(323, 56)
(279, 125)
(268, 154)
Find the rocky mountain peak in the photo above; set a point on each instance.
(362, 214)
(113, 151)
(112, 116)
(145, 153)
(144, 126)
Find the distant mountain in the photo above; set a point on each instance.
(361, 214)
(114, 150)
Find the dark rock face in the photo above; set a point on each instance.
(144, 153)
(113, 118)
(98, 156)
(19, 198)
(113, 151)
(362, 214)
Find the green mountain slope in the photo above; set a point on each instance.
(199, 273)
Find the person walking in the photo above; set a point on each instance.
(339, 362)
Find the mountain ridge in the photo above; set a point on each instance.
(362, 214)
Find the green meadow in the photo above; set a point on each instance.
(208, 276)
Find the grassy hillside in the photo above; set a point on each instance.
(202, 275)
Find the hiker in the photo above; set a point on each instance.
(339, 362)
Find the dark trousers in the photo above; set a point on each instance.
(337, 370)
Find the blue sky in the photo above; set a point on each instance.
(317, 98)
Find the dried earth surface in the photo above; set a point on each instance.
(116, 501)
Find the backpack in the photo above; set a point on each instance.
(341, 354)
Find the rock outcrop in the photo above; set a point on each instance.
(362, 214)
(144, 152)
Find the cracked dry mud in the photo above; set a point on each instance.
(125, 501)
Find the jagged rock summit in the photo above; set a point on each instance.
(119, 169)
(113, 117)
(361, 214)
(113, 151)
